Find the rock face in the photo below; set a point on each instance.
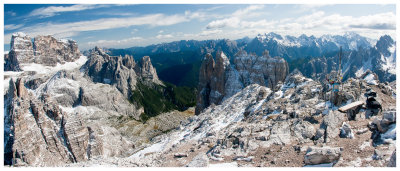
(392, 161)
(21, 48)
(262, 70)
(122, 72)
(45, 50)
(42, 129)
(219, 79)
(50, 51)
(11, 63)
(146, 71)
(63, 120)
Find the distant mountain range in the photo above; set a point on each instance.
(178, 62)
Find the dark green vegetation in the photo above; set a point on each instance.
(179, 68)
(298, 63)
(181, 75)
(158, 99)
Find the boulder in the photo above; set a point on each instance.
(331, 124)
(346, 131)
(304, 130)
(319, 155)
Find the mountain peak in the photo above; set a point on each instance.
(350, 34)
(19, 34)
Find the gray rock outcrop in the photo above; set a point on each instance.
(45, 50)
(42, 129)
(50, 51)
(219, 79)
(145, 70)
(392, 161)
(122, 72)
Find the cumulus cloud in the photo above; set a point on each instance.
(228, 22)
(317, 20)
(236, 19)
(383, 21)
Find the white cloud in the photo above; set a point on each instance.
(309, 7)
(12, 26)
(383, 21)
(134, 31)
(54, 10)
(236, 18)
(164, 36)
(227, 22)
(74, 28)
(196, 15)
(318, 19)
(247, 10)
(113, 43)
(210, 32)
(12, 13)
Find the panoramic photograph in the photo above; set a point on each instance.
(199, 85)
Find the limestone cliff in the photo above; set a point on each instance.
(123, 72)
(219, 79)
(45, 50)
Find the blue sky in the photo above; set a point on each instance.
(122, 26)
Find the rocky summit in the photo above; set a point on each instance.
(45, 50)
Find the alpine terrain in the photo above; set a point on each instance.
(269, 101)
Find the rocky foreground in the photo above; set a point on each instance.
(294, 126)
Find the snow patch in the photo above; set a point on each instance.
(151, 149)
(41, 69)
(370, 79)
